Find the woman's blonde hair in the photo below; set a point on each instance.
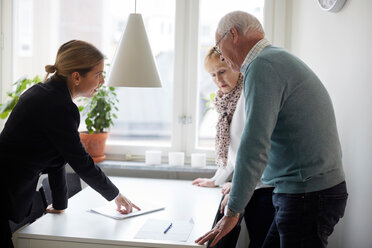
(74, 56)
(211, 54)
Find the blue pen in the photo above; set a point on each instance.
(169, 227)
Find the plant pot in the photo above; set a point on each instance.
(95, 144)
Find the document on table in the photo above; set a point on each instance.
(165, 230)
(109, 210)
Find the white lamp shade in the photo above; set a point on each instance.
(133, 64)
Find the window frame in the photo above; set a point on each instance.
(184, 121)
(186, 49)
(6, 51)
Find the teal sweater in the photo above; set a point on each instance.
(290, 136)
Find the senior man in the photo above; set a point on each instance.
(290, 139)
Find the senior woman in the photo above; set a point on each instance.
(229, 103)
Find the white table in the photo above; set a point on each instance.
(78, 228)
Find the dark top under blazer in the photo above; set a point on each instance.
(41, 136)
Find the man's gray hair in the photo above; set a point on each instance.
(241, 20)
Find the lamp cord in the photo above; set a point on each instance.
(135, 6)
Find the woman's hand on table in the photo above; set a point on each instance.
(51, 210)
(126, 203)
(204, 182)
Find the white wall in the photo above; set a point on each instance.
(338, 47)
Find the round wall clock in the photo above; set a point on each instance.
(331, 5)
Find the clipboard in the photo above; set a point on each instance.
(109, 210)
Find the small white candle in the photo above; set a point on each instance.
(176, 158)
(153, 157)
(198, 159)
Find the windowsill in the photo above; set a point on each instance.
(140, 169)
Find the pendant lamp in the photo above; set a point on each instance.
(133, 64)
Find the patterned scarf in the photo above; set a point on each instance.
(225, 105)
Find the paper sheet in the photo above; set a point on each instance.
(109, 210)
(154, 229)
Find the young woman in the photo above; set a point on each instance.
(41, 136)
(229, 104)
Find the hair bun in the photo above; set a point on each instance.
(50, 68)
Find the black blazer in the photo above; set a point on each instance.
(41, 136)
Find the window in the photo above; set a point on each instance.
(1, 53)
(145, 116)
(180, 32)
(211, 12)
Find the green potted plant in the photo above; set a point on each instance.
(99, 112)
(209, 102)
(18, 88)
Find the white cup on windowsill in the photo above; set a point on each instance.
(153, 157)
(198, 160)
(176, 158)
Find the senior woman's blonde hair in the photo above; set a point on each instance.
(74, 56)
(211, 55)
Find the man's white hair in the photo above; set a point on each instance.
(241, 20)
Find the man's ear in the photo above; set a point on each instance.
(235, 34)
(75, 76)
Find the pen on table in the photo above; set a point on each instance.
(169, 227)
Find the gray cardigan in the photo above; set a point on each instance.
(290, 134)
